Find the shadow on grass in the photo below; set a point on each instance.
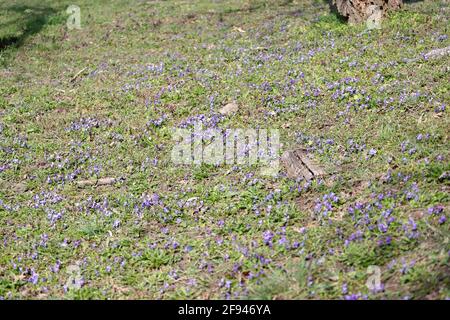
(33, 19)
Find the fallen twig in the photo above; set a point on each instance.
(97, 182)
(437, 53)
(433, 54)
(78, 74)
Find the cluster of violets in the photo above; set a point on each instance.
(45, 198)
(87, 124)
(315, 144)
(11, 146)
(207, 121)
(3, 167)
(8, 207)
(158, 121)
(324, 206)
(438, 210)
(46, 201)
(377, 218)
(139, 77)
(79, 160)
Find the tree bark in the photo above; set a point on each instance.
(358, 11)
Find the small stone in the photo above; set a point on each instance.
(229, 108)
(20, 187)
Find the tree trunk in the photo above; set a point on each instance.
(358, 11)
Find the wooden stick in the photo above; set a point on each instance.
(97, 182)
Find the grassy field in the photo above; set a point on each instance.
(101, 102)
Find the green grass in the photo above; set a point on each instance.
(78, 104)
